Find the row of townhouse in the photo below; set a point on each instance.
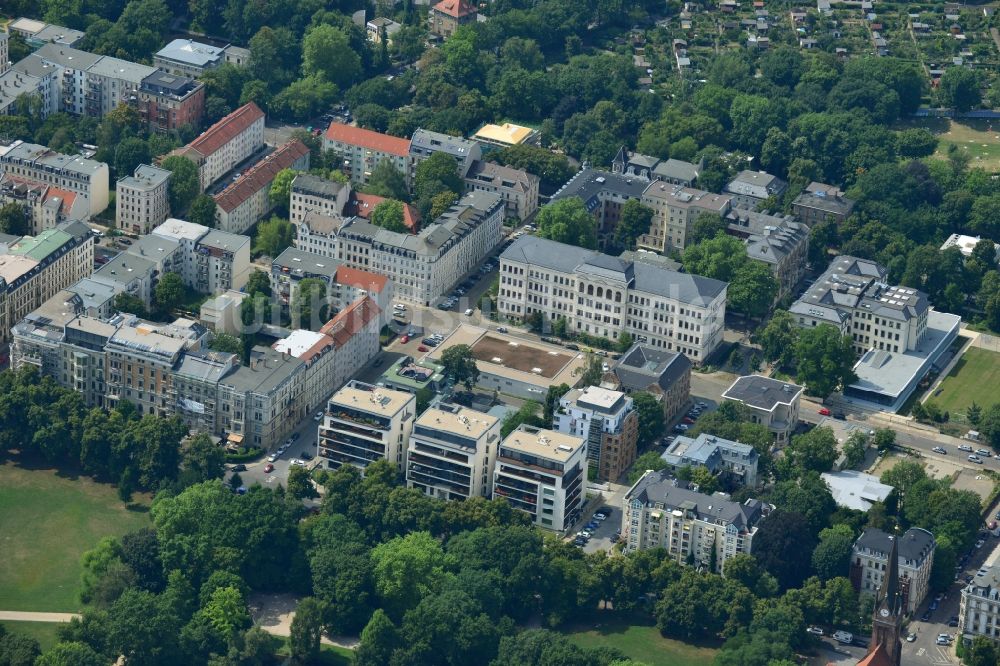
(229, 142)
(38, 166)
(362, 150)
(247, 200)
(68, 80)
(34, 268)
(455, 453)
(607, 296)
(167, 369)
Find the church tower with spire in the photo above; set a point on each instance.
(886, 647)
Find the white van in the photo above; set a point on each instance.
(844, 637)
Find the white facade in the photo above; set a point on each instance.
(211, 261)
(141, 200)
(425, 266)
(543, 473)
(979, 610)
(452, 453)
(870, 557)
(83, 177)
(248, 199)
(317, 195)
(606, 296)
(364, 423)
(225, 144)
(772, 403)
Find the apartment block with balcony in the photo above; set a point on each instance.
(195, 383)
(425, 143)
(979, 609)
(292, 266)
(110, 82)
(675, 210)
(543, 473)
(772, 403)
(452, 452)
(83, 177)
(232, 140)
(870, 557)
(365, 423)
(607, 296)
(33, 269)
(607, 421)
(167, 102)
(141, 200)
(222, 262)
(362, 150)
(706, 529)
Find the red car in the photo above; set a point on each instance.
(823, 411)
(268, 468)
(422, 348)
(688, 420)
(404, 339)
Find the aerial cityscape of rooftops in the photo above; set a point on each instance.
(500, 332)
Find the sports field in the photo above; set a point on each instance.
(47, 521)
(975, 377)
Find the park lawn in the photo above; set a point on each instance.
(641, 643)
(46, 633)
(977, 135)
(329, 655)
(974, 378)
(47, 521)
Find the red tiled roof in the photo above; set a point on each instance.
(357, 136)
(350, 320)
(455, 8)
(362, 205)
(67, 197)
(260, 175)
(222, 132)
(355, 277)
(877, 657)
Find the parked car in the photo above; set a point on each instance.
(422, 348)
(430, 342)
(976, 459)
(933, 606)
(844, 637)
(468, 312)
(815, 631)
(404, 339)
(318, 416)
(926, 616)
(910, 638)
(268, 468)
(681, 427)
(942, 641)
(295, 437)
(839, 415)
(305, 455)
(939, 449)
(238, 468)
(501, 329)
(979, 543)
(965, 447)
(983, 452)
(573, 347)
(271, 458)
(823, 411)
(297, 462)
(953, 622)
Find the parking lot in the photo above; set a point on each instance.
(603, 534)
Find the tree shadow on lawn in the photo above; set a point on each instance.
(610, 625)
(35, 463)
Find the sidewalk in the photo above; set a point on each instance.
(25, 616)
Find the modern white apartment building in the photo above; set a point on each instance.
(362, 150)
(607, 296)
(607, 421)
(141, 200)
(247, 200)
(543, 473)
(426, 265)
(675, 210)
(312, 194)
(227, 143)
(772, 403)
(979, 609)
(35, 268)
(709, 529)
(364, 423)
(452, 452)
(211, 261)
(870, 556)
(83, 177)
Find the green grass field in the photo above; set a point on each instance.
(329, 655)
(981, 137)
(975, 377)
(47, 521)
(46, 633)
(642, 643)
